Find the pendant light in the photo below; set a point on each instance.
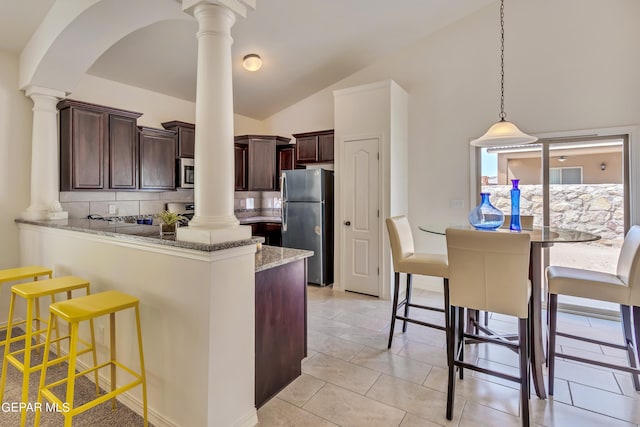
(503, 133)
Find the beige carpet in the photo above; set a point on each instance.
(85, 390)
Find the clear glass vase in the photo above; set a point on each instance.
(485, 216)
(515, 207)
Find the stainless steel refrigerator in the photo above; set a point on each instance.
(307, 219)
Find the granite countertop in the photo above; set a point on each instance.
(266, 258)
(273, 256)
(135, 233)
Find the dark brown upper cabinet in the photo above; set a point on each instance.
(286, 160)
(186, 137)
(240, 155)
(157, 159)
(98, 147)
(261, 161)
(314, 147)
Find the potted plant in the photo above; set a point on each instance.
(169, 222)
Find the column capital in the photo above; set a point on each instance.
(39, 90)
(239, 7)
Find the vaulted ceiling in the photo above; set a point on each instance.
(305, 45)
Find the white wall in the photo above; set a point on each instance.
(570, 65)
(156, 108)
(15, 161)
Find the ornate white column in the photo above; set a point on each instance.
(45, 178)
(214, 220)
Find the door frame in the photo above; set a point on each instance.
(339, 245)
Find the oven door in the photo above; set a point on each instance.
(185, 173)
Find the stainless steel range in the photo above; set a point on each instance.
(185, 209)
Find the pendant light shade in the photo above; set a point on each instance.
(503, 133)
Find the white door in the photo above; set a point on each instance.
(360, 217)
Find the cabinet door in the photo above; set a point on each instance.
(307, 149)
(157, 161)
(286, 159)
(325, 148)
(123, 153)
(262, 164)
(86, 135)
(186, 142)
(240, 154)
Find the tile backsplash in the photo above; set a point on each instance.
(79, 204)
(257, 203)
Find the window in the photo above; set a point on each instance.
(565, 175)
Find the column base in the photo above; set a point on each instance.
(43, 215)
(213, 236)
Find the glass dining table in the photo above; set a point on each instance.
(541, 237)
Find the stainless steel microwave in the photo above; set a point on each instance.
(185, 173)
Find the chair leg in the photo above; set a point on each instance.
(627, 325)
(636, 328)
(452, 339)
(447, 315)
(472, 325)
(523, 332)
(460, 340)
(551, 350)
(408, 298)
(395, 306)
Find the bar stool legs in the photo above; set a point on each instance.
(31, 292)
(83, 309)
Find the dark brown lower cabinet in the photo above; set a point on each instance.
(271, 231)
(281, 327)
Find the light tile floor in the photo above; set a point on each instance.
(351, 379)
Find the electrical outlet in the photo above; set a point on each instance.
(113, 209)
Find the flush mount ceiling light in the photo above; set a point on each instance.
(252, 62)
(503, 133)
(562, 158)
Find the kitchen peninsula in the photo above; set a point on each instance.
(200, 334)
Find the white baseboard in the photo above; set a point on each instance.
(250, 419)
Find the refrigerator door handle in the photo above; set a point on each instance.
(283, 200)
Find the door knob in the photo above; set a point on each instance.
(347, 223)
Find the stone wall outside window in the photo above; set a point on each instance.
(595, 208)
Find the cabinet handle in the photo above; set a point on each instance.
(347, 223)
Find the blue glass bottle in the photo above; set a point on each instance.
(515, 207)
(485, 216)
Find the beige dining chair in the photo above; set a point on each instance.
(621, 288)
(406, 260)
(488, 271)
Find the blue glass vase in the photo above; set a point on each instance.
(515, 207)
(485, 216)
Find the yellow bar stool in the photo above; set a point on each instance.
(31, 292)
(78, 310)
(21, 273)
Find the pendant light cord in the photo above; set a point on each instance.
(503, 115)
